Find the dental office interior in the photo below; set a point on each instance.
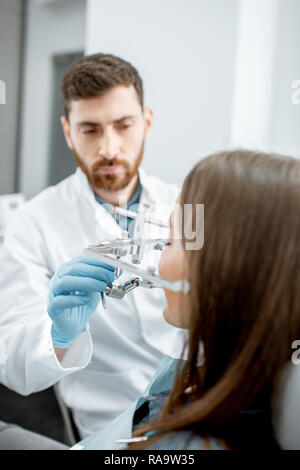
(218, 75)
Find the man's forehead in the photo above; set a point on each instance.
(114, 105)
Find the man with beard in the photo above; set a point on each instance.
(53, 325)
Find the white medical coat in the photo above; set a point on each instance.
(110, 364)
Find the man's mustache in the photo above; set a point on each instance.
(105, 163)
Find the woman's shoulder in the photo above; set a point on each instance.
(187, 440)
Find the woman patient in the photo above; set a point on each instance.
(242, 312)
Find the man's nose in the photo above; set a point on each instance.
(108, 146)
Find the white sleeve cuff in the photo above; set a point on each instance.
(78, 355)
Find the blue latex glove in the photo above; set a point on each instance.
(74, 294)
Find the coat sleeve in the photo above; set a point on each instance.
(28, 362)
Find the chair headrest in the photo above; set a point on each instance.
(286, 408)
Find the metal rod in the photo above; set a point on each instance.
(176, 286)
(103, 300)
(135, 215)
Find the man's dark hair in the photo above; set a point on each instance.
(95, 75)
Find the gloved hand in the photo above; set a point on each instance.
(74, 294)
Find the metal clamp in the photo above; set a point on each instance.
(111, 252)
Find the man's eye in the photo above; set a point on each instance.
(90, 131)
(125, 126)
(168, 243)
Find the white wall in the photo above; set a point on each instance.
(52, 28)
(285, 115)
(268, 62)
(185, 52)
(253, 94)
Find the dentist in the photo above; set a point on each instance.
(102, 359)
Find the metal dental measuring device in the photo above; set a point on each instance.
(110, 252)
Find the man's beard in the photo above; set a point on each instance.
(113, 182)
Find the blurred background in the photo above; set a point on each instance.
(218, 74)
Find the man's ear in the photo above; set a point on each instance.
(66, 129)
(148, 118)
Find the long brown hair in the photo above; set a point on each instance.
(245, 289)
